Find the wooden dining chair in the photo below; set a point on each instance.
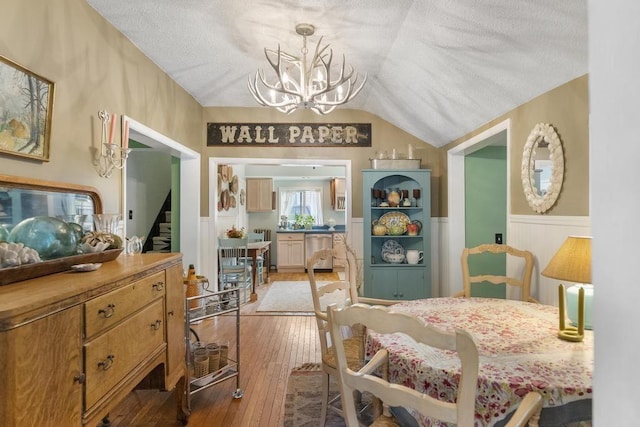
(344, 253)
(266, 236)
(373, 376)
(353, 345)
(256, 237)
(354, 337)
(523, 282)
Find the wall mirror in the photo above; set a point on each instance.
(22, 198)
(542, 167)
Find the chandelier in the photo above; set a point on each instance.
(299, 83)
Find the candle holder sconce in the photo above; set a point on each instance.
(112, 156)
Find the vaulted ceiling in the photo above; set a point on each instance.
(437, 69)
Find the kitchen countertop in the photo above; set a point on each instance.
(314, 231)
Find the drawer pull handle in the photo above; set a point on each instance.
(156, 325)
(107, 312)
(158, 286)
(80, 378)
(107, 363)
(170, 313)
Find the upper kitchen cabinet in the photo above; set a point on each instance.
(259, 194)
(338, 196)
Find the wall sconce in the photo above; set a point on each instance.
(112, 156)
(572, 262)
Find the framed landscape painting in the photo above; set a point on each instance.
(26, 106)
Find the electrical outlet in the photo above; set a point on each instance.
(130, 214)
(498, 238)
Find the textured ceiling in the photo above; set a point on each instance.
(437, 69)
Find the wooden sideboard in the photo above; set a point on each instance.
(74, 344)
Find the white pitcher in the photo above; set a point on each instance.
(414, 256)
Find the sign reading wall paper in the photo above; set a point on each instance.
(289, 134)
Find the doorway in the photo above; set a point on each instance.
(216, 227)
(497, 135)
(186, 185)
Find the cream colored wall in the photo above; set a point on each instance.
(93, 67)
(567, 109)
(384, 137)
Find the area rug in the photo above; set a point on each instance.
(303, 401)
(294, 296)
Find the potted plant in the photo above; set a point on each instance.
(304, 221)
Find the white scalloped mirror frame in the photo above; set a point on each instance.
(542, 202)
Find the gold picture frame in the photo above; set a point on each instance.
(25, 112)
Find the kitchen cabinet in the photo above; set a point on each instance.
(385, 204)
(75, 344)
(259, 194)
(398, 284)
(291, 255)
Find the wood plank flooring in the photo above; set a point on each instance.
(270, 347)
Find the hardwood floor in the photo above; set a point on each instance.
(270, 347)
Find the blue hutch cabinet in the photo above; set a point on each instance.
(385, 275)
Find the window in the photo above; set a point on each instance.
(297, 201)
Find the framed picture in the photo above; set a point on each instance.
(26, 107)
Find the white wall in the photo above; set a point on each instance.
(148, 184)
(614, 91)
(543, 236)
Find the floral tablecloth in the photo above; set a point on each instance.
(519, 352)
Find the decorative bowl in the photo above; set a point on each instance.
(87, 248)
(396, 230)
(395, 258)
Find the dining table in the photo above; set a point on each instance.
(519, 351)
(256, 249)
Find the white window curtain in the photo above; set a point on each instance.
(296, 201)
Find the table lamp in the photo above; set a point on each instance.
(572, 263)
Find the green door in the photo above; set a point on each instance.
(486, 214)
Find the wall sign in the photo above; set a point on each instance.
(289, 134)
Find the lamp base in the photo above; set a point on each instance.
(571, 333)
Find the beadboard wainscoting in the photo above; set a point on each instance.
(439, 258)
(543, 235)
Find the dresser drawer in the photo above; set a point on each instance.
(107, 310)
(111, 356)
